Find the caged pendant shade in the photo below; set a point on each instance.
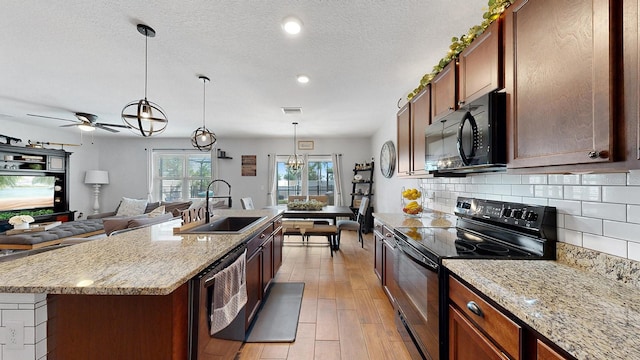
(202, 138)
(142, 116)
(294, 163)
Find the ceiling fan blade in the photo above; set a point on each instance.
(70, 125)
(50, 117)
(114, 125)
(101, 126)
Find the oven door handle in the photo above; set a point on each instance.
(416, 256)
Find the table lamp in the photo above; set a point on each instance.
(96, 178)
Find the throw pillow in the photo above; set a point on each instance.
(129, 207)
(156, 212)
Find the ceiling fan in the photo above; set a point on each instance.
(87, 122)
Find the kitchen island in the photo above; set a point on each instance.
(127, 288)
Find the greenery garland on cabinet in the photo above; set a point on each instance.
(496, 7)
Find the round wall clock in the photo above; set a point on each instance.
(388, 159)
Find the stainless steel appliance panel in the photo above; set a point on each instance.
(225, 343)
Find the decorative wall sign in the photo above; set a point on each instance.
(305, 145)
(248, 165)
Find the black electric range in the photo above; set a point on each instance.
(488, 229)
(484, 229)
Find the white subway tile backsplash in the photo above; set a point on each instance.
(566, 206)
(633, 213)
(584, 224)
(604, 179)
(535, 179)
(41, 350)
(511, 179)
(27, 352)
(633, 177)
(598, 211)
(535, 201)
(494, 178)
(564, 179)
(633, 251)
(29, 335)
(621, 194)
(588, 193)
(502, 189)
(622, 230)
(21, 298)
(604, 244)
(522, 190)
(570, 237)
(24, 316)
(516, 199)
(548, 191)
(606, 211)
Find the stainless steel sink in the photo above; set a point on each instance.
(226, 224)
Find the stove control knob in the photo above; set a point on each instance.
(531, 216)
(516, 214)
(506, 212)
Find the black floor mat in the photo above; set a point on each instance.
(277, 320)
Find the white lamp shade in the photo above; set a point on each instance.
(96, 177)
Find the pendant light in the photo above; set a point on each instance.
(202, 138)
(143, 116)
(294, 163)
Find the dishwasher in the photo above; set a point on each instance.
(225, 343)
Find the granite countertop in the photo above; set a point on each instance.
(147, 261)
(428, 218)
(587, 314)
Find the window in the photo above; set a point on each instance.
(318, 173)
(180, 175)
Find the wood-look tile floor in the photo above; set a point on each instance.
(345, 313)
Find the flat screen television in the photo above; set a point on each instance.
(22, 192)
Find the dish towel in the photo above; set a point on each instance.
(229, 294)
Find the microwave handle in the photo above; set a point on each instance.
(466, 159)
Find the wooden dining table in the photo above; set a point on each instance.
(327, 212)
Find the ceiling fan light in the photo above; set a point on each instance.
(85, 127)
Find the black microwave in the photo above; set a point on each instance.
(471, 139)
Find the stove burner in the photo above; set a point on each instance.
(465, 247)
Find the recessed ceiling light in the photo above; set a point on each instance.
(292, 25)
(302, 79)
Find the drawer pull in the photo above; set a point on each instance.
(474, 308)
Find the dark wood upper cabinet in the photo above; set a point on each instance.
(404, 141)
(444, 92)
(561, 63)
(420, 120)
(481, 65)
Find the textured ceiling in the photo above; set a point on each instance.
(65, 56)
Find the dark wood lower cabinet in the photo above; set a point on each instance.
(467, 342)
(254, 286)
(118, 327)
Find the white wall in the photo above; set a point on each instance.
(126, 161)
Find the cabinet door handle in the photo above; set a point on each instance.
(262, 236)
(594, 154)
(461, 102)
(474, 308)
(451, 108)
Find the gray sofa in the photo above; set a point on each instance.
(94, 226)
